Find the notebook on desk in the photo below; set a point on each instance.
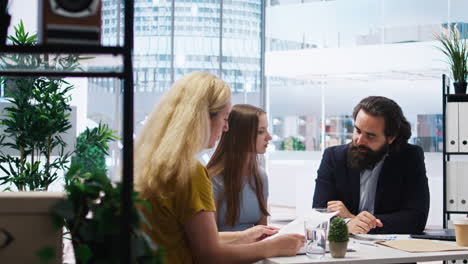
(437, 234)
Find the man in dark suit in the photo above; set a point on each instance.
(377, 182)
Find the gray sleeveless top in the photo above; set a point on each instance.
(250, 212)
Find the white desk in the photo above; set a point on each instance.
(364, 254)
(376, 255)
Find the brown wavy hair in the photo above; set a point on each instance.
(396, 124)
(237, 149)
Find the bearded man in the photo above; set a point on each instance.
(377, 182)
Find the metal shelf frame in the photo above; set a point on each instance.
(68, 49)
(96, 74)
(444, 165)
(128, 103)
(64, 49)
(446, 155)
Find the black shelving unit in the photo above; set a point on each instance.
(446, 98)
(126, 51)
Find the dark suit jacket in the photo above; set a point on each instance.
(402, 194)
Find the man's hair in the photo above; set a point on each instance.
(395, 122)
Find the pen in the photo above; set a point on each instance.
(367, 244)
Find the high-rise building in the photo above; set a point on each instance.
(173, 38)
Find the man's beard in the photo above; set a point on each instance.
(358, 160)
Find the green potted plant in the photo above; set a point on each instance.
(456, 50)
(292, 143)
(32, 148)
(338, 237)
(92, 209)
(91, 148)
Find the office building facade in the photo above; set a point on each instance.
(173, 38)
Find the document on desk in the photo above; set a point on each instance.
(375, 238)
(420, 245)
(297, 226)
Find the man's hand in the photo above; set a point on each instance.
(334, 206)
(363, 223)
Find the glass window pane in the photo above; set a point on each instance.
(196, 43)
(241, 58)
(338, 53)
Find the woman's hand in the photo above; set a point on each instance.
(287, 245)
(257, 233)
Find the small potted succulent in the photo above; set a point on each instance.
(338, 237)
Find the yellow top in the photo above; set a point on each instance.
(169, 215)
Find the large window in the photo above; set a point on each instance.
(323, 57)
(173, 38)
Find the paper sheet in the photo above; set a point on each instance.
(297, 226)
(375, 238)
(420, 245)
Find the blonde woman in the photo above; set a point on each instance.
(191, 117)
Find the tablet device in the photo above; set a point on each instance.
(437, 234)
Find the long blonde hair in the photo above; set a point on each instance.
(176, 130)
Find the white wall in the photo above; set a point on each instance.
(25, 10)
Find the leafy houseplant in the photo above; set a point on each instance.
(36, 118)
(292, 143)
(456, 50)
(92, 208)
(91, 145)
(338, 237)
(92, 214)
